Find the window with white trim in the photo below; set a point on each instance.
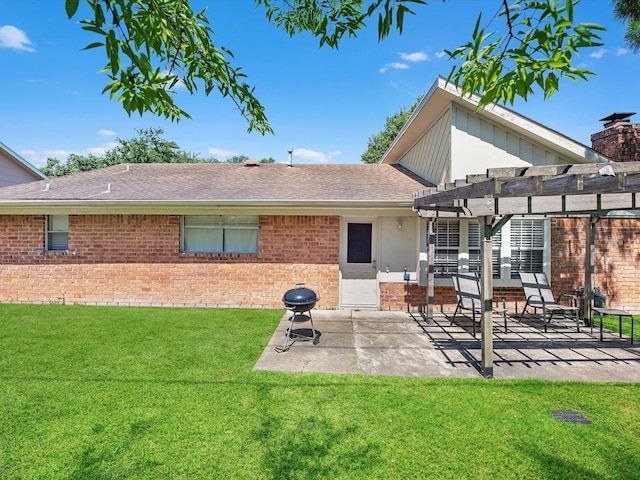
(527, 246)
(447, 247)
(219, 234)
(518, 247)
(57, 236)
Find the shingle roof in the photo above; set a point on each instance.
(226, 182)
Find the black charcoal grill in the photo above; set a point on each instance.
(300, 301)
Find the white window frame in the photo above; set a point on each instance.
(56, 238)
(503, 251)
(225, 224)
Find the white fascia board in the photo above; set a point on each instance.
(39, 207)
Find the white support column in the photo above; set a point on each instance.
(486, 337)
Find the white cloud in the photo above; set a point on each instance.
(39, 159)
(106, 133)
(99, 151)
(621, 51)
(394, 66)
(31, 157)
(222, 153)
(441, 54)
(414, 57)
(59, 154)
(598, 54)
(12, 37)
(313, 156)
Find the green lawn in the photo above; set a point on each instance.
(161, 393)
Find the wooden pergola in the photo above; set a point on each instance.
(588, 191)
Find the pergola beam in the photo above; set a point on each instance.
(539, 186)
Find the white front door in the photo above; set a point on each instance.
(358, 267)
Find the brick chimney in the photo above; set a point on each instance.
(619, 139)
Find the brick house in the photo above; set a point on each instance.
(243, 234)
(207, 234)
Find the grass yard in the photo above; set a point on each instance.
(161, 393)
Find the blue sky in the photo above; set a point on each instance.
(323, 103)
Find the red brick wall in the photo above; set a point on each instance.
(136, 260)
(617, 259)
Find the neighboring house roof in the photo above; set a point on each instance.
(14, 169)
(222, 184)
(442, 94)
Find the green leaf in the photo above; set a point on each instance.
(71, 6)
(93, 45)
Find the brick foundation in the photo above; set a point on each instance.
(396, 296)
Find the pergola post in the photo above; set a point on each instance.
(486, 337)
(589, 258)
(431, 251)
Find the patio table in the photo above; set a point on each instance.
(616, 313)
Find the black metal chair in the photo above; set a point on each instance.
(468, 292)
(539, 296)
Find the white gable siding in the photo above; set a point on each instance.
(477, 144)
(429, 156)
(12, 173)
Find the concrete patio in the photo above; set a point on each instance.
(375, 342)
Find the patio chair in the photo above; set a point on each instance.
(468, 292)
(539, 296)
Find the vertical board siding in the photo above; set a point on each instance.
(478, 144)
(12, 174)
(429, 157)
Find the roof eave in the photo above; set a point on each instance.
(186, 206)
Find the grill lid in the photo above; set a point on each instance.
(299, 296)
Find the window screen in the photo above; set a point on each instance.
(57, 232)
(220, 234)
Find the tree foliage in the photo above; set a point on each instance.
(74, 164)
(148, 147)
(151, 46)
(629, 11)
(539, 46)
(380, 142)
